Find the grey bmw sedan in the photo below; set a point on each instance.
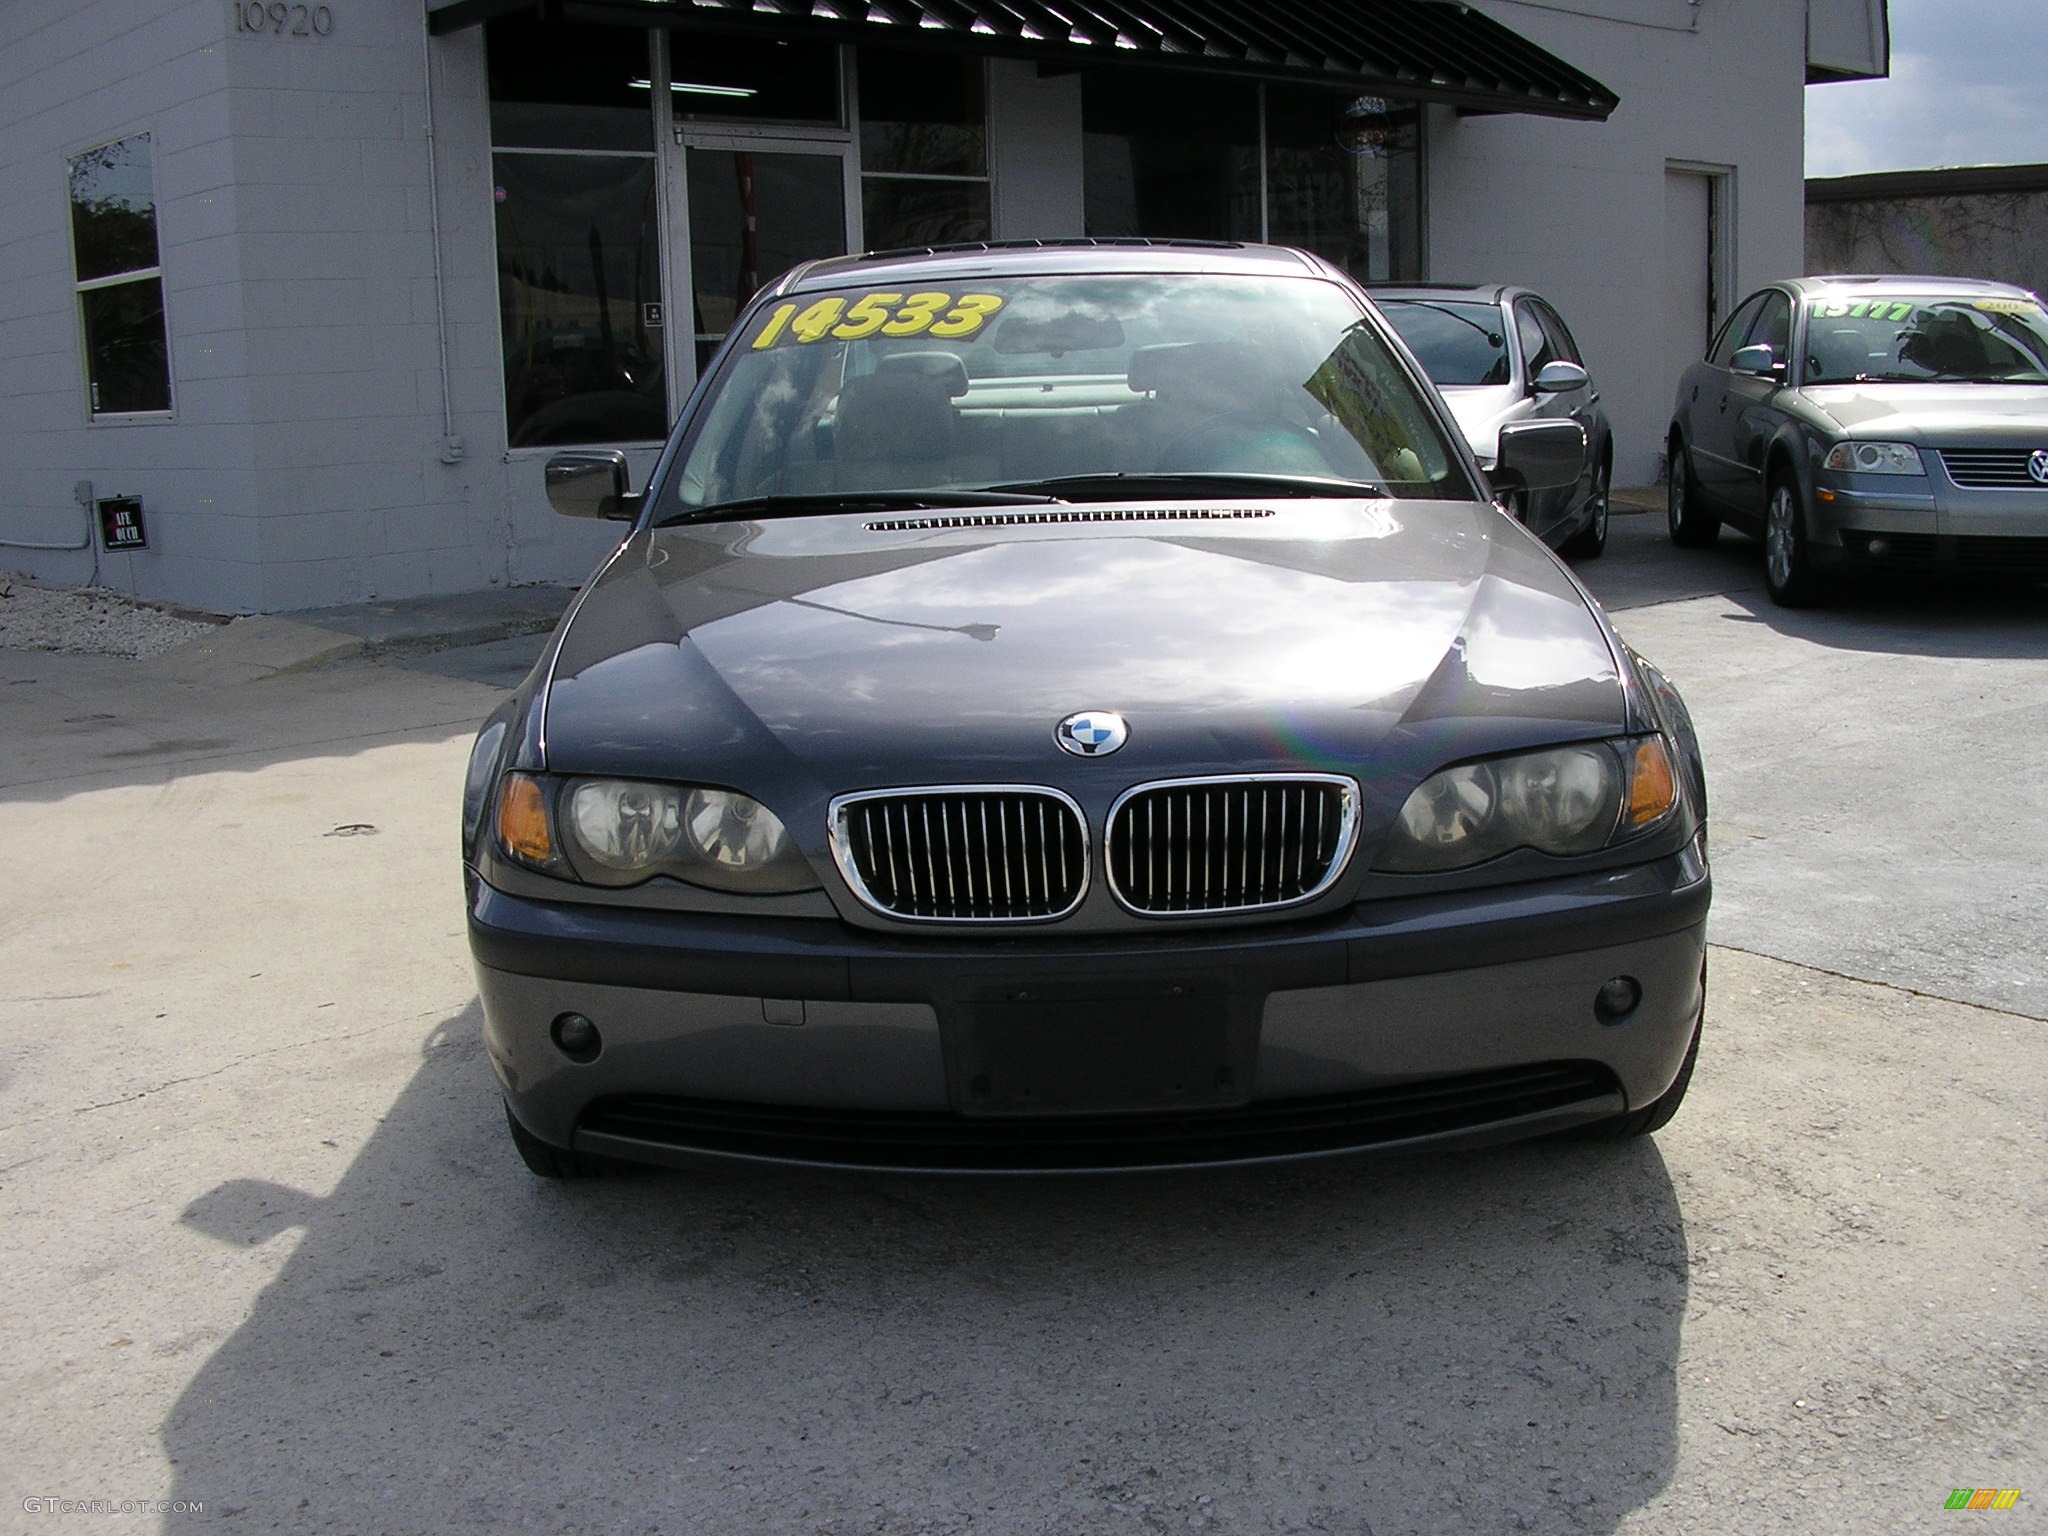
(1079, 707)
(1870, 423)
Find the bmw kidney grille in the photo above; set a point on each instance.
(995, 854)
(1230, 845)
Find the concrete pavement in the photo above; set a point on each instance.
(271, 1254)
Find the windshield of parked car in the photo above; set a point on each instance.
(1944, 340)
(1456, 342)
(973, 385)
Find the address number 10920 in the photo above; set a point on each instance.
(283, 20)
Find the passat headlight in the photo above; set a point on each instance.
(625, 831)
(1876, 459)
(1562, 800)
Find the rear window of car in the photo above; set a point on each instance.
(1932, 339)
(1456, 342)
(967, 384)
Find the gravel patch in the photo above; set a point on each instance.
(87, 621)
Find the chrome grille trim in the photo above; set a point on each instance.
(1290, 835)
(963, 853)
(1990, 469)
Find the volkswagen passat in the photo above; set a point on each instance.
(1875, 423)
(1079, 707)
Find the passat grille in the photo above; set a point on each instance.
(1230, 845)
(964, 855)
(1990, 469)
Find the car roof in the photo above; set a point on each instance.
(1897, 283)
(1478, 293)
(1024, 258)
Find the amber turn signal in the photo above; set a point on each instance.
(523, 820)
(1652, 788)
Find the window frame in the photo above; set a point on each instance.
(81, 286)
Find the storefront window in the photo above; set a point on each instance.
(579, 238)
(753, 79)
(923, 149)
(1170, 156)
(120, 286)
(1343, 179)
(1178, 157)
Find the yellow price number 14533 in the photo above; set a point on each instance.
(834, 318)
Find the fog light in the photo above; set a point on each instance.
(1879, 548)
(1617, 999)
(577, 1038)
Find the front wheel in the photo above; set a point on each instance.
(1590, 542)
(1789, 573)
(1692, 525)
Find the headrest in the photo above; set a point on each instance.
(942, 366)
(1225, 364)
(893, 416)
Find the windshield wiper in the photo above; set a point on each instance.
(1112, 485)
(822, 503)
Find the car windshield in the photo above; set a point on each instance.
(1912, 340)
(1142, 383)
(1456, 342)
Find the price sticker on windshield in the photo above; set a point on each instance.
(949, 317)
(2006, 306)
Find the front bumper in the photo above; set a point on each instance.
(1457, 1017)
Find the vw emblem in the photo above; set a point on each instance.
(2037, 465)
(1092, 733)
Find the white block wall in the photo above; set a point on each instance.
(304, 461)
(1576, 210)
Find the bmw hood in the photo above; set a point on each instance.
(847, 652)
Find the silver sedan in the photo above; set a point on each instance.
(1881, 423)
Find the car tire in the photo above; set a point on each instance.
(1789, 574)
(1656, 1114)
(1590, 542)
(1692, 525)
(548, 1161)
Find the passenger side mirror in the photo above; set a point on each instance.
(1560, 378)
(1539, 456)
(1760, 359)
(591, 484)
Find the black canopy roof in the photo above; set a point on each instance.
(1420, 50)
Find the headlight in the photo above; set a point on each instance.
(1564, 800)
(625, 831)
(1876, 459)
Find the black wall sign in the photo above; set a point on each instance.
(121, 523)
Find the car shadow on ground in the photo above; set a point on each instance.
(1979, 616)
(1425, 1343)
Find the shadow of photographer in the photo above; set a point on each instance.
(1423, 1343)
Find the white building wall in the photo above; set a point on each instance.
(1576, 210)
(65, 88)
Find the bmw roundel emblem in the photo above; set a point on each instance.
(1091, 733)
(2037, 465)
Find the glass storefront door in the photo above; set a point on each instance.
(755, 208)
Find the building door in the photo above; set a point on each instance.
(752, 208)
(1692, 261)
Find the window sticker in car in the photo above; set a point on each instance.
(832, 318)
(2006, 306)
(1861, 309)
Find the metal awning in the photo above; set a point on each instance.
(1416, 50)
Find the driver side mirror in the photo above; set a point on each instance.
(1760, 359)
(1539, 456)
(1559, 377)
(591, 484)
